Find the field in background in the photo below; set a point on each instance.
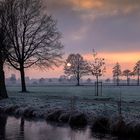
(128, 93)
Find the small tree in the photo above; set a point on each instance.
(76, 66)
(108, 80)
(97, 68)
(137, 72)
(117, 72)
(89, 81)
(127, 73)
(42, 81)
(63, 78)
(33, 35)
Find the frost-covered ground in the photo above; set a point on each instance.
(41, 101)
(129, 93)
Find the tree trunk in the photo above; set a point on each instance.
(117, 81)
(138, 82)
(78, 80)
(97, 92)
(78, 74)
(128, 81)
(23, 84)
(3, 91)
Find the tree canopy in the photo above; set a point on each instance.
(117, 72)
(34, 37)
(76, 66)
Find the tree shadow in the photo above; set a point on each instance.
(3, 121)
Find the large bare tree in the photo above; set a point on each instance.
(76, 66)
(3, 52)
(33, 35)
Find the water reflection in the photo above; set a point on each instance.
(19, 129)
(3, 120)
(22, 128)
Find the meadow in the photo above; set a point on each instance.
(127, 93)
(60, 103)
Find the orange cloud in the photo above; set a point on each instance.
(87, 4)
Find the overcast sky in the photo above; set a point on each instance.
(112, 27)
(106, 25)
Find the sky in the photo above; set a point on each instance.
(111, 27)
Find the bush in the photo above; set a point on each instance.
(119, 128)
(136, 131)
(101, 125)
(29, 113)
(11, 109)
(78, 120)
(54, 116)
(64, 117)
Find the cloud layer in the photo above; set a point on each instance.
(107, 25)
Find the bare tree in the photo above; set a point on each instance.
(76, 66)
(33, 35)
(137, 72)
(3, 53)
(117, 72)
(127, 73)
(97, 68)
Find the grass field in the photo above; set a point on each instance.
(128, 93)
(41, 100)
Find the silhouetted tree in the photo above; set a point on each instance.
(127, 73)
(117, 72)
(33, 35)
(108, 80)
(63, 78)
(97, 68)
(4, 48)
(137, 72)
(76, 66)
(89, 81)
(42, 81)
